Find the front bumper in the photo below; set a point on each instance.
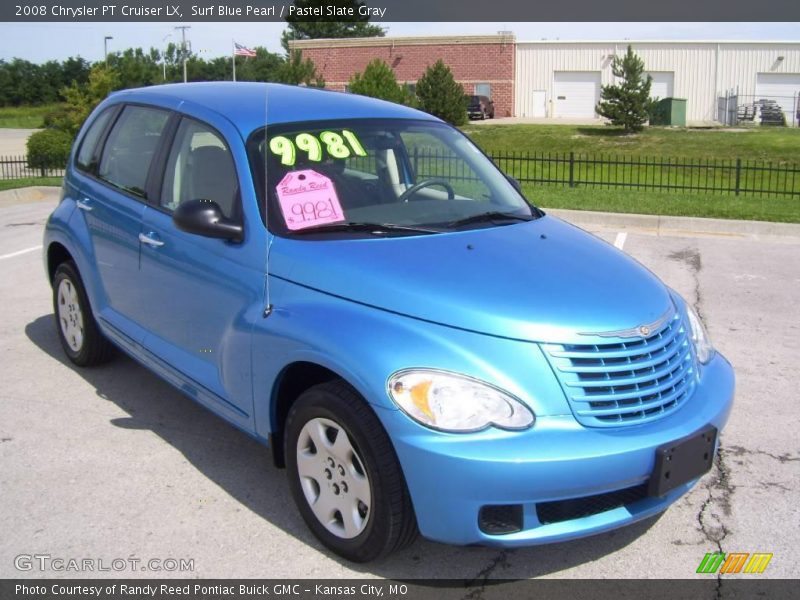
(451, 476)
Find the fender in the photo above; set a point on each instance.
(365, 345)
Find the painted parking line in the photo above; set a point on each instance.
(20, 252)
(619, 242)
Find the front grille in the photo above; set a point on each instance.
(576, 508)
(630, 382)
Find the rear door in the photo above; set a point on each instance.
(112, 199)
(200, 288)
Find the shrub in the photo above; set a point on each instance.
(49, 149)
(378, 81)
(441, 96)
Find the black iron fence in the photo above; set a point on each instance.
(16, 167)
(570, 169)
(690, 175)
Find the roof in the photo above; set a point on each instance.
(446, 40)
(673, 42)
(250, 105)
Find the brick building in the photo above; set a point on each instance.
(481, 64)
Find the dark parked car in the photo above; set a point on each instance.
(480, 107)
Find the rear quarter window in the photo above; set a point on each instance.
(89, 152)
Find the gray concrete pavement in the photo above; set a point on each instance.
(13, 141)
(112, 462)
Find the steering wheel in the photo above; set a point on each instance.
(423, 184)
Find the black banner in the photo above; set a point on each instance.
(387, 11)
(709, 588)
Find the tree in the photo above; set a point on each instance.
(378, 81)
(343, 27)
(440, 95)
(627, 104)
(299, 71)
(81, 99)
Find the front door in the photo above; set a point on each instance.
(200, 288)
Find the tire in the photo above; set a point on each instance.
(80, 336)
(361, 507)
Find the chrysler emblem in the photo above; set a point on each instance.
(638, 331)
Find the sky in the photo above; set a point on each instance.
(39, 42)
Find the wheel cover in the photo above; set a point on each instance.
(333, 478)
(70, 316)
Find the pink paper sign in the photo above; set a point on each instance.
(308, 199)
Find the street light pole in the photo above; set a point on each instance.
(105, 47)
(183, 29)
(164, 58)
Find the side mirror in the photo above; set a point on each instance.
(204, 217)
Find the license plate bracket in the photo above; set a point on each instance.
(682, 461)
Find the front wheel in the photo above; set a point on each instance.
(344, 474)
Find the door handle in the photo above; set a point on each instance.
(84, 204)
(150, 240)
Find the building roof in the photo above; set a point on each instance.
(250, 105)
(674, 42)
(447, 40)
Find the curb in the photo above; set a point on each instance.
(26, 195)
(667, 225)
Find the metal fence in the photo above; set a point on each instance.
(691, 175)
(16, 167)
(734, 109)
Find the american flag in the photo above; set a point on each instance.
(239, 50)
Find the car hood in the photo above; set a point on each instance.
(542, 280)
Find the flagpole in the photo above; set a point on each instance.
(233, 58)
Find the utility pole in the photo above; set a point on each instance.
(105, 47)
(183, 29)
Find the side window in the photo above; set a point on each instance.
(90, 152)
(130, 148)
(200, 167)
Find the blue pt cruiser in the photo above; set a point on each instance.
(356, 284)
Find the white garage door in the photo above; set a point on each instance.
(576, 93)
(662, 85)
(783, 88)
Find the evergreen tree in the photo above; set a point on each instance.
(299, 71)
(440, 95)
(378, 81)
(627, 104)
(343, 27)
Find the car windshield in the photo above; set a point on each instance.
(388, 177)
(474, 100)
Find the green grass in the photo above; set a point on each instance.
(25, 117)
(779, 144)
(751, 208)
(12, 184)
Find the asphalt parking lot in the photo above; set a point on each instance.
(112, 462)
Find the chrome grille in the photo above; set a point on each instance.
(629, 382)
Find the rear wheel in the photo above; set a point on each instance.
(344, 475)
(80, 337)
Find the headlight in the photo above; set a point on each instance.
(457, 403)
(700, 339)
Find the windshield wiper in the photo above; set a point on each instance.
(368, 227)
(494, 215)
